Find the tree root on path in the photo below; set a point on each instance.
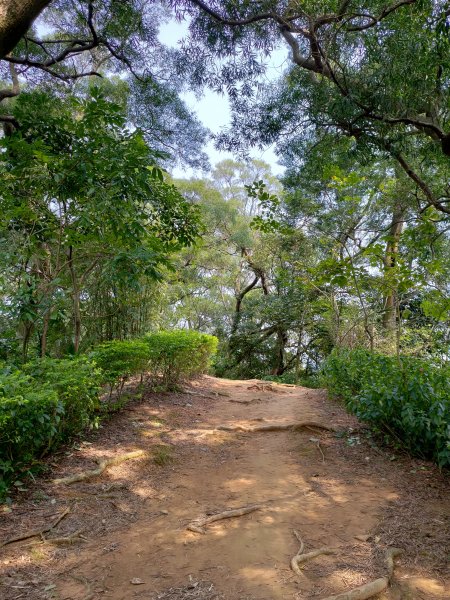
(276, 427)
(73, 538)
(265, 387)
(245, 401)
(104, 464)
(301, 558)
(198, 525)
(37, 532)
(374, 587)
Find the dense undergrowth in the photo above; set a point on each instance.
(45, 402)
(406, 399)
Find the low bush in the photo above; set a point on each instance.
(77, 383)
(29, 421)
(50, 400)
(180, 354)
(41, 406)
(408, 399)
(118, 360)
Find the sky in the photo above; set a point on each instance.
(213, 109)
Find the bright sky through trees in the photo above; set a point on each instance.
(213, 109)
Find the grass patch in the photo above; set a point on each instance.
(163, 455)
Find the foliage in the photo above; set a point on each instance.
(77, 383)
(42, 406)
(50, 400)
(86, 213)
(408, 399)
(177, 355)
(29, 421)
(119, 359)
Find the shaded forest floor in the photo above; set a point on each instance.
(332, 488)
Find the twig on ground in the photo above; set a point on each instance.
(37, 532)
(198, 525)
(104, 464)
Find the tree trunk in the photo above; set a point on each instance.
(279, 366)
(76, 304)
(16, 17)
(44, 333)
(390, 260)
(239, 298)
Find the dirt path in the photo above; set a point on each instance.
(329, 487)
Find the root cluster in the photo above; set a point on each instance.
(363, 592)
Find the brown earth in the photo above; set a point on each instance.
(329, 487)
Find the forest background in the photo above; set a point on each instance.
(334, 272)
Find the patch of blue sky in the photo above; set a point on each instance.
(213, 108)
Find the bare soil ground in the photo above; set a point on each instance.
(332, 488)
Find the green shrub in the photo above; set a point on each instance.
(30, 415)
(180, 354)
(77, 383)
(407, 398)
(50, 400)
(120, 359)
(41, 407)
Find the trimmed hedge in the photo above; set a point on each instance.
(77, 383)
(177, 355)
(50, 400)
(118, 360)
(408, 399)
(41, 407)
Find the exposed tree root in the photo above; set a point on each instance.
(104, 464)
(301, 558)
(198, 525)
(276, 427)
(37, 532)
(265, 387)
(210, 396)
(374, 587)
(245, 401)
(73, 538)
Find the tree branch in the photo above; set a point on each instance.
(15, 89)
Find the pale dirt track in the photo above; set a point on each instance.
(134, 516)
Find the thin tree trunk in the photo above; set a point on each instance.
(390, 260)
(279, 367)
(44, 333)
(76, 303)
(239, 298)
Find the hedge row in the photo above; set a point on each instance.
(49, 400)
(407, 399)
(168, 356)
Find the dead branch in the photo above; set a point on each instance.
(317, 443)
(197, 525)
(276, 427)
(301, 558)
(374, 587)
(37, 532)
(104, 464)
